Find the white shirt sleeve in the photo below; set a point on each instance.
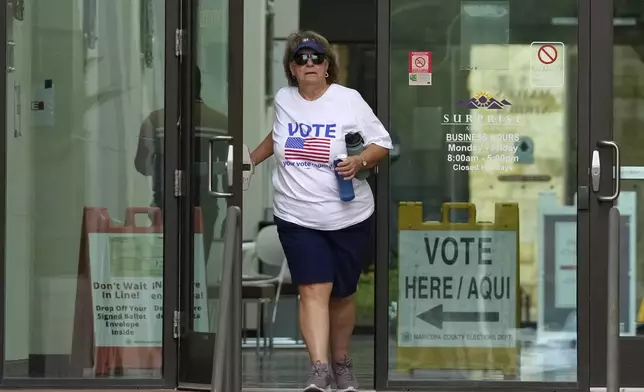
(372, 130)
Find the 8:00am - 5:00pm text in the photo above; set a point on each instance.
(501, 152)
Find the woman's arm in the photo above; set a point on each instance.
(375, 136)
(263, 151)
(373, 154)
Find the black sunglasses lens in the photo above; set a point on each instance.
(303, 58)
(317, 58)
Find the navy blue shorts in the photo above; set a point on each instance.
(319, 256)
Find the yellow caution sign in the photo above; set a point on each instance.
(640, 312)
(458, 290)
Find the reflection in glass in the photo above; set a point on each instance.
(76, 102)
(485, 24)
(483, 279)
(628, 69)
(210, 125)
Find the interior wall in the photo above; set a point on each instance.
(256, 123)
(287, 21)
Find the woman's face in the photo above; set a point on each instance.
(309, 67)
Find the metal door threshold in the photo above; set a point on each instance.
(287, 390)
(204, 387)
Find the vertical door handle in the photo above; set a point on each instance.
(17, 112)
(595, 171)
(11, 45)
(228, 164)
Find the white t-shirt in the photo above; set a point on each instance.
(307, 136)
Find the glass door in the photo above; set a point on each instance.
(616, 116)
(87, 257)
(211, 48)
(483, 236)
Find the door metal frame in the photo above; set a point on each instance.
(189, 26)
(601, 119)
(383, 207)
(170, 291)
(3, 177)
(171, 254)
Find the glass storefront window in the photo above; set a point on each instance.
(484, 183)
(84, 92)
(627, 122)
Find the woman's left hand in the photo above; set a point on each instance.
(349, 167)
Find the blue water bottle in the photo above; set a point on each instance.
(345, 187)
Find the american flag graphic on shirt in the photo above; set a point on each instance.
(311, 149)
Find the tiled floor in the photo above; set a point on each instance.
(288, 368)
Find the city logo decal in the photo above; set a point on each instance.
(482, 109)
(484, 100)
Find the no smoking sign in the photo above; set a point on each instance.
(420, 68)
(547, 54)
(547, 64)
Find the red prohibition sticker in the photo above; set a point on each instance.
(547, 54)
(420, 68)
(420, 62)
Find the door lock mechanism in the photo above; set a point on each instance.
(595, 171)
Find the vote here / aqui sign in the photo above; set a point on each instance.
(457, 290)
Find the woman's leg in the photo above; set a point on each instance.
(349, 246)
(342, 315)
(342, 318)
(314, 319)
(311, 263)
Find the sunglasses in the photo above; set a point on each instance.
(303, 58)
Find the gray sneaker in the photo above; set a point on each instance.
(319, 379)
(345, 380)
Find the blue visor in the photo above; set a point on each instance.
(308, 43)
